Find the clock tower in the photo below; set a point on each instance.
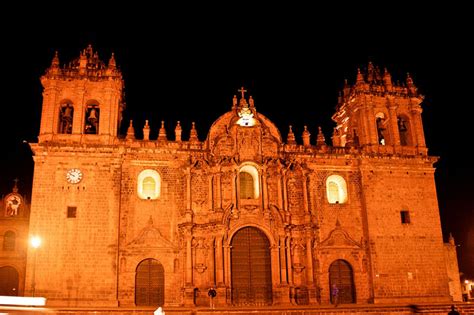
(77, 180)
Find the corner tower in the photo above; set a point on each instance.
(380, 116)
(82, 101)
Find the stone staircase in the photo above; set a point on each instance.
(367, 309)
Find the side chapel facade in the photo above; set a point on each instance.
(128, 221)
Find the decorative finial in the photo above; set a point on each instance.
(112, 64)
(177, 132)
(290, 139)
(162, 132)
(306, 137)
(234, 102)
(251, 102)
(338, 224)
(360, 77)
(150, 221)
(130, 131)
(451, 239)
(320, 141)
(193, 135)
(387, 78)
(55, 62)
(146, 131)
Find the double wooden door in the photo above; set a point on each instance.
(251, 268)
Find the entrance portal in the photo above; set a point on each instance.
(150, 283)
(9, 281)
(340, 273)
(251, 268)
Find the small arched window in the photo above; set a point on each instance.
(248, 179)
(336, 189)
(404, 130)
(149, 184)
(66, 115)
(91, 122)
(9, 240)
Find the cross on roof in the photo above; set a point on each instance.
(242, 90)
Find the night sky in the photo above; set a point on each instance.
(293, 62)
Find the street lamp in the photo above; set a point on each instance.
(35, 243)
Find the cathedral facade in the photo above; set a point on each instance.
(127, 221)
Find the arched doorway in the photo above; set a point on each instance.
(340, 273)
(150, 283)
(251, 268)
(9, 281)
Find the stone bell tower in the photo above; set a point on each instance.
(380, 116)
(82, 101)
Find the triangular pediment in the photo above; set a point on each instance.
(339, 238)
(150, 236)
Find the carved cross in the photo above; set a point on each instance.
(242, 90)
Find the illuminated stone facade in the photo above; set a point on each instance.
(129, 221)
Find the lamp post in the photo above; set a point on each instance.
(35, 243)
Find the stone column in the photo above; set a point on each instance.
(275, 265)
(264, 190)
(392, 114)
(211, 192)
(189, 260)
(212, 256)
(218, 187)
(419, 134)
(283, 271)
(288, 259)
(219, 262)
(188, 189)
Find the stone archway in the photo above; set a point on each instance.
(150, 283)
(251, 268)
(9, 281)
(340, 273)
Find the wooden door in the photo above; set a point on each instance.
(340, 273)
(150, 283)
(8, 281)
(251, 268)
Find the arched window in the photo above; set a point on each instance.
(91, 122)
(66, 114)
(9, 240)
(149, 184)
(404, 130)
(248, 179)
(336, 189)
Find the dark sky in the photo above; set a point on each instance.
(292, 60)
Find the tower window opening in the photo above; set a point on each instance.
(403, 131)
(91, 124)
(66, 114)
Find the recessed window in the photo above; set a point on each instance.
(336, 189)
(248, 178)
(149, 184)
(405, 216)
(9, 240)
(71, 212)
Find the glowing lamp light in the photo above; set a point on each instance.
(466, 281)
(22, 301)
(35, 241)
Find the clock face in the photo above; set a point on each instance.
(74, 175)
